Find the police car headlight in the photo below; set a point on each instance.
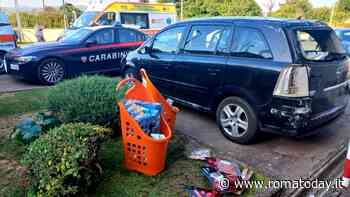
(25, 59)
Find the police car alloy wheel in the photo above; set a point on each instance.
(237, 120)
(51, 71)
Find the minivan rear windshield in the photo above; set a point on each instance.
(319, 45)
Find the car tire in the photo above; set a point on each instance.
(51, 71)
(237, 120)
(2, 66)
(131, 72)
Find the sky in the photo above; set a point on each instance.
(38, 3)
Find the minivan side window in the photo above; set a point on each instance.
(205, 39)
(251, 43)
(169, 40)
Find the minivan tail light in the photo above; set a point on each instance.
(293, 81)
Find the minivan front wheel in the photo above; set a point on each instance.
(130, 73)
(237, 120)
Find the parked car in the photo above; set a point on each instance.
(87, 50)
(7, 39)
(344, 36)
(277, 75)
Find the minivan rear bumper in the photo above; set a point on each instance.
(294, 116)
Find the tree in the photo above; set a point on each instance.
(269, 5)
(294, 9)
(321, 14)
(71, 12)
(198, 8)
(341, 11)
(343, 5)
(240, 8)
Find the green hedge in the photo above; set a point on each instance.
(64, 162)
(89, 99)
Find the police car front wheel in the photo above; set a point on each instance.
(237, 120)
(51, 71)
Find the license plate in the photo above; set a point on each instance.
(14, 67)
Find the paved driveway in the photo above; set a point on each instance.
(275, 156)
(10, 84)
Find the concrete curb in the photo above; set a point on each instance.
(325, 166)
(21, 90)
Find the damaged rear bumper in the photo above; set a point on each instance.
(294, 116)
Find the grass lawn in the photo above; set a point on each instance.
(118, 181)
(22, 102)
(115, 180)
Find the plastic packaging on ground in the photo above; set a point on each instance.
(30, 128)
(223, 177)
(224, 166)
(201, 192)
(200, 154)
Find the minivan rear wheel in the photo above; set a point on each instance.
(237, 120)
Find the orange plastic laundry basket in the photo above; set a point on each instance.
(169, 111)
(142, 153)
(150, 93)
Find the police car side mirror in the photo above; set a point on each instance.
(90, 43)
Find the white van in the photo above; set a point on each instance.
(7, 39)
(148, 17)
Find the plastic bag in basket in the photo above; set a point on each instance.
(146, 114)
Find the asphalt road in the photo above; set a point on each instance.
(10, 84)
(277, 157)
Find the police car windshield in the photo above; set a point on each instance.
(85, 19)
(76, 36)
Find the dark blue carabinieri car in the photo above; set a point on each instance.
(87, 50)
(285, 76)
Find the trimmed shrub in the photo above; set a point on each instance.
(64, 162)
(89, 99)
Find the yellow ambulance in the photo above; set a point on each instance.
(149, 17)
